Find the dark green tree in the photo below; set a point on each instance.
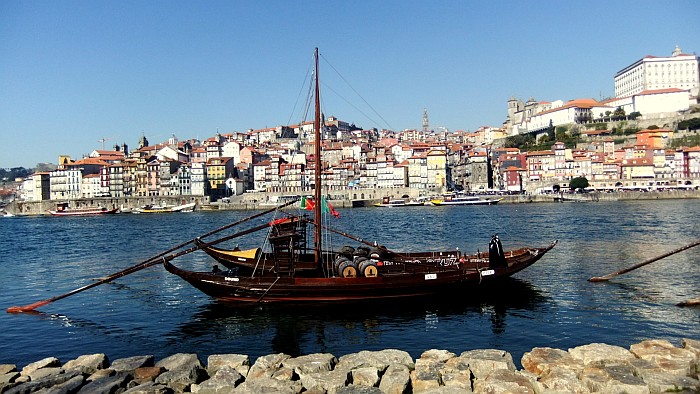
(619, 113)
(578, 183)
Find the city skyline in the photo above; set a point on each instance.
(74, 73)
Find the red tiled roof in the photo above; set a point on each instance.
(660, 91)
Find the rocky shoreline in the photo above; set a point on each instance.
(651, 366)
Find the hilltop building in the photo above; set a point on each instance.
(679, 71)
(651, 86)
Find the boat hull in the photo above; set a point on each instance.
(412, 280)
(91, 212)
(467, 202)
(402, 205)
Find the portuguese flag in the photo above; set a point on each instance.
(326, 207)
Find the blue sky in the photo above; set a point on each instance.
(73, 72)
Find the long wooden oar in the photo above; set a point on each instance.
(151, 261)
(690, 302)
(634, 267)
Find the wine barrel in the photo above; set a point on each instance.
(376, 253)
(339, 260)
(347, 269)
(347, 250)
(368, 268)
(362, 251)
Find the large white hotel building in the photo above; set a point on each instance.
(680, 71)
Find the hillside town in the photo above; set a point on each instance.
(623, 142)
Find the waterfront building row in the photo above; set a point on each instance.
(173, 169)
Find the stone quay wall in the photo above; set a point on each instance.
(257, 201)
(651, 366)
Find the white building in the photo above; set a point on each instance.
(91, 186)
(574, 111)
(65, 184)
(661, 101)
(198, 179)
(654, 73)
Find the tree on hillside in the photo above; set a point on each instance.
(12, 173)
(578, 183)
(619, 113)
(690, 124)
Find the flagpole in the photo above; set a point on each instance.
(317, 172)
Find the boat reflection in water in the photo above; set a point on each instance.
(300, 329)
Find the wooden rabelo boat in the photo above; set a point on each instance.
(63, 209)
(293, 266)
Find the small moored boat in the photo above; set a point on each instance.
(63, 209)
(461, 199)
(165, 209)
(388, 202)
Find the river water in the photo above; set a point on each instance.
(550, 304)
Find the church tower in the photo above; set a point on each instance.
(143, 142)
(426, 126)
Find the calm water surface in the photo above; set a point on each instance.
(549, 304)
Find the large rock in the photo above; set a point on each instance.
(396, 379)
(352, 389)
(379, 359)
(239, 362)
(437, 355)
(43, 383)
(329, 381)
(149, 388)
(600, 352)
(615, 378)
(9, 377)
(694, 346)
(660, 379)
(131, 363)
(7, 368)
(268, 385)
(667, 356)
(563, 380)
(312, 363)
(179, 361)
(108, 385)
(426, 375)
(47, 362)
(365, 376)
(224, 381)
(103, 373)
(266, 366)
(147, 374)
(457, 373)
(691, 344)
(44, 372)
(503, 380)
(68, 387)
(88, 364)
(541, 360)
(182, 370)
(482, 361)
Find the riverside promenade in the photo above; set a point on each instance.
(651, 366)
(252, 201)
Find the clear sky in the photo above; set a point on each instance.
(74, 72)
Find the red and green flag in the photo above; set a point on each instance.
(307, 203)
(326, 207)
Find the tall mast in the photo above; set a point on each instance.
(317, 172)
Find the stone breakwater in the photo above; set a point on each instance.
(651, 366)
